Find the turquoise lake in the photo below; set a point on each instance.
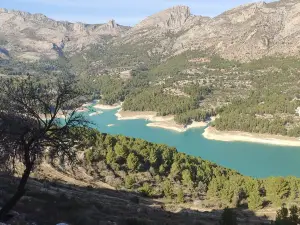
(251, 159)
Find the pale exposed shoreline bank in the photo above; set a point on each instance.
(171, 125)
(165, 122)
(107, 107)
(230, 136)
(145, 115)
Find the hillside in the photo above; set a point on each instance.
(78, 203)
(260, 96)
(122, 180)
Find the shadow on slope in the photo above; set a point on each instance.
(48, 203)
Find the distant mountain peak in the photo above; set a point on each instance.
(172, 18)
(32, 36)
(179, 9)
(252, 5)
(3, 10)
(112, 23)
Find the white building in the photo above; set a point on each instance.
(298, 111)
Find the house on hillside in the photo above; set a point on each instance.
(298, 111)
(126, 74)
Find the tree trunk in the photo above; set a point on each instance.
(17, 196)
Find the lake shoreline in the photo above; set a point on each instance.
(164, 122)
(176, 127)
(212, 133)
(107, 107)
(250, 159)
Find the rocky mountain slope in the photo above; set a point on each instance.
(33, 36)
(244, 33)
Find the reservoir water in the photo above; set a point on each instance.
(257, 160)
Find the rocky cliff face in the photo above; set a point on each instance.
(160, 31)
(170, 19)
(244, 33)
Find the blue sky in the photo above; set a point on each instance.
(125, 12)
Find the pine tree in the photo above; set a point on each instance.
(180, 196)
(132, 161)
(255, 201)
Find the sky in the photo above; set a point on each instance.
(125, 12)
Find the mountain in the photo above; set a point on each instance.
(244, 33)
(247, 32)
(162, 31)
(32, 36)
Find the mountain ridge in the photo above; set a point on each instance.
(32, 36)
(244, 33)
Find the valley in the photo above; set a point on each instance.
(177, 117)
(145, 68)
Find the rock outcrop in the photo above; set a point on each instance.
(170, 19)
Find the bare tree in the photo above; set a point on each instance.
(37, 119)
